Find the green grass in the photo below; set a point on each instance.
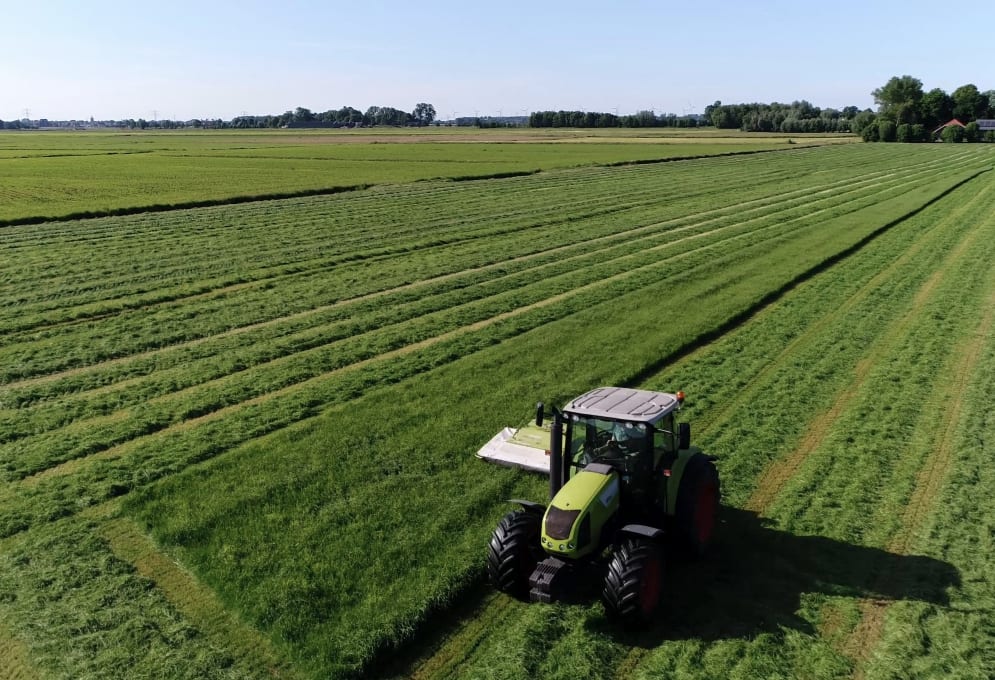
(58, 174)
(414, 321)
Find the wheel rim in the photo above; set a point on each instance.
(704, 514)
(649, 589)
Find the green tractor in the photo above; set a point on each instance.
(624, 483)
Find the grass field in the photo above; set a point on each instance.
(236, 441)
(57, 174)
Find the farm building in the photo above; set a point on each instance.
(953, 122)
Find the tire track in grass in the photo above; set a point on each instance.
(14, 659)
(929, 481)
(778, 474)
(193, 599)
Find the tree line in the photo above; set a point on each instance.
(347, 116)
(593, 119)
(908, 114)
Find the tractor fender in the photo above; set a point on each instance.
(642, 531)
(529, 506)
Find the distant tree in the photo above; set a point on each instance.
(971, 132)
(904, 133)
(863, 120)
(870, 133)
(887, 130)
(302, 115)
(423, 114)
(935, 108)
(968, 103)
(919, 133)
(898, 99)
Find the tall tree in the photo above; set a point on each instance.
(424, 113)
(898, 99)
(968, 103)
(936, 108)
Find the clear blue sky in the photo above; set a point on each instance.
(180, 59)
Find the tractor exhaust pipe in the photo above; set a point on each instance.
(556, 454)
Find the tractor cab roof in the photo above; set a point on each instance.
(623, 403)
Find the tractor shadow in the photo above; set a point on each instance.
(754, 577)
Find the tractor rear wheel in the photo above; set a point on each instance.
(697, 506)
(634, 582)
(514, 551)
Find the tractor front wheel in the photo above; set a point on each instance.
(514, 551)
(634, 582)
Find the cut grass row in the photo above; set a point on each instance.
(395, 366)
(225, 318)
(307, 363)
(320, 233)
(359, 582)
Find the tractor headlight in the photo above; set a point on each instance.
(561, 547)
(570, 545)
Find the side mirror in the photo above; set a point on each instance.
(539, 414)
(683, 435)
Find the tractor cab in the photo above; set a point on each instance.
(631, 431)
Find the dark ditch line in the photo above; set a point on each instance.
(739, 319)
(183, 205)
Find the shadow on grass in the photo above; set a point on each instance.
(753, 579)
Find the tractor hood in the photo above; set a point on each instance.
(577, 514)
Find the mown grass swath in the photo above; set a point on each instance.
(53, 175)
(418, 320)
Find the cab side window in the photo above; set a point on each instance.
(664, 439)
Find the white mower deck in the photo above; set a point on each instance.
(522, 448)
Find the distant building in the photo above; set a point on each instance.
(954, 122)
(986, 125)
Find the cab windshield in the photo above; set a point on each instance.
(597, 440)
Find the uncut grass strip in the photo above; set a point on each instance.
(75, 359)
(87, 437)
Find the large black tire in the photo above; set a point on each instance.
(514, 551)
(634, 582)
(697, 509)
